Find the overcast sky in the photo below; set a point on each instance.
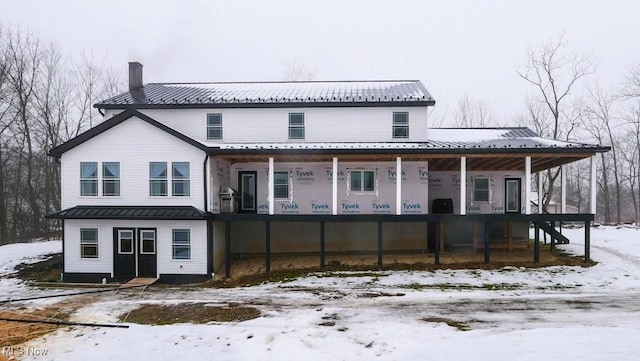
(455, 47)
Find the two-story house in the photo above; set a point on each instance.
(180, 176)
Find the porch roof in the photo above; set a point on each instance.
(130, 212)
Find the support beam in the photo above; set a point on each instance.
(487, 241)
(334, 182)
(540, 192)
(527, 185)
(322, 246)
(587, 241)
(398, 186)
(536, 243)
(227, 251)
(436, 247)
(551, 236)
(592, 186)
(563, 190)
(267, 230)
(379, 244)
(270, 197)
(463, 185)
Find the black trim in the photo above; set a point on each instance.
(241, 190)
(371, 104)
(63, 245)
(112, 122)
(209, 247)
(78, 277)
(519, 195)
(131, 213)
(182, 278)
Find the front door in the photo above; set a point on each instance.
(124, 253)
(247, 182)
(147, 264)
(512, 195)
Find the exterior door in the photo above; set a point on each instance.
(247, 183)
(147, 260)
(512, 195)
(124, 253)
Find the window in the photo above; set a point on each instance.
(401, 125)
(296, 125)
(158, 179)
(88, 179)
(481, 189)
(180, 179)
(125, 242)
(88, 243)
(362, 180)
(148, 241)
(281, 184)
(214, 126)
(111, 179)
(181, 244)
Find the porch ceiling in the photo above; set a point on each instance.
(437, 162)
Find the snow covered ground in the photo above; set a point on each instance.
(512, 313)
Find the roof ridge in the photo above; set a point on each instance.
(287, 81)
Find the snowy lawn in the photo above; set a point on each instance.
(512, 313)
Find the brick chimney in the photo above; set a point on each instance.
(135, 76)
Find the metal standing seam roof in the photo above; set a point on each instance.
(130, 212)
(265, 94)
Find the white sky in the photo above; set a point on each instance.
(454, 47)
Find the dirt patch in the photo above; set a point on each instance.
(189, 313)
(47, 270)
(16, 333)
(461, 326)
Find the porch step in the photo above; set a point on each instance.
(559, 238)
(139, 281)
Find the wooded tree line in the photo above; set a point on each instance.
(45, 99)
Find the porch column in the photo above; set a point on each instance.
(527, 185)
(540, 192)
(334, 182)
(563, 190)
(463, 185)
(398, 186)
(270, 197)
(592, 186)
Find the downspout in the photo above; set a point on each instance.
(204, 181)
(100, 111)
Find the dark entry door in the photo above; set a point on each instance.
(512, 195)
(124, 253)
(247, 184)
(147, 260)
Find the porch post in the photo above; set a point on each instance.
(540, 195)
(527, 185)
(536, 243)
(270, 197)
(563, 191)
(463, 185)
(592, 186)
(487, 242)
(227, 251)
(334, 182)
(379, 244)
(322, 245)
(587, 241)
(267, 246)
(398, 186)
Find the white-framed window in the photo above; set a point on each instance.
(214, 126)
(158, 179)
(88, 243)
(111, 179)
(147, 241)
(296, 125)
(281, 185)
(362, 180)
(400, 124)
(125, 241)
(181, 244)
(481, 189)
(89, 179)
(180, 183)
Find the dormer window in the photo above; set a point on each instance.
(401, 125)
(296, 125)
(214, 126)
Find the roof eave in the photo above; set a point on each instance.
(418, 103)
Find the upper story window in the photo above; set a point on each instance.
(214, 126)
(88, 243)
(401, 125)
(481, 189)
(180, 179)
(362, 180)
(88, 179)
(111, 179)
(281, 185)
(296, 125)
(158, 179)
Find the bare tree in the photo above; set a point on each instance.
(297, 71)
(554, 74)
(473, 113)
